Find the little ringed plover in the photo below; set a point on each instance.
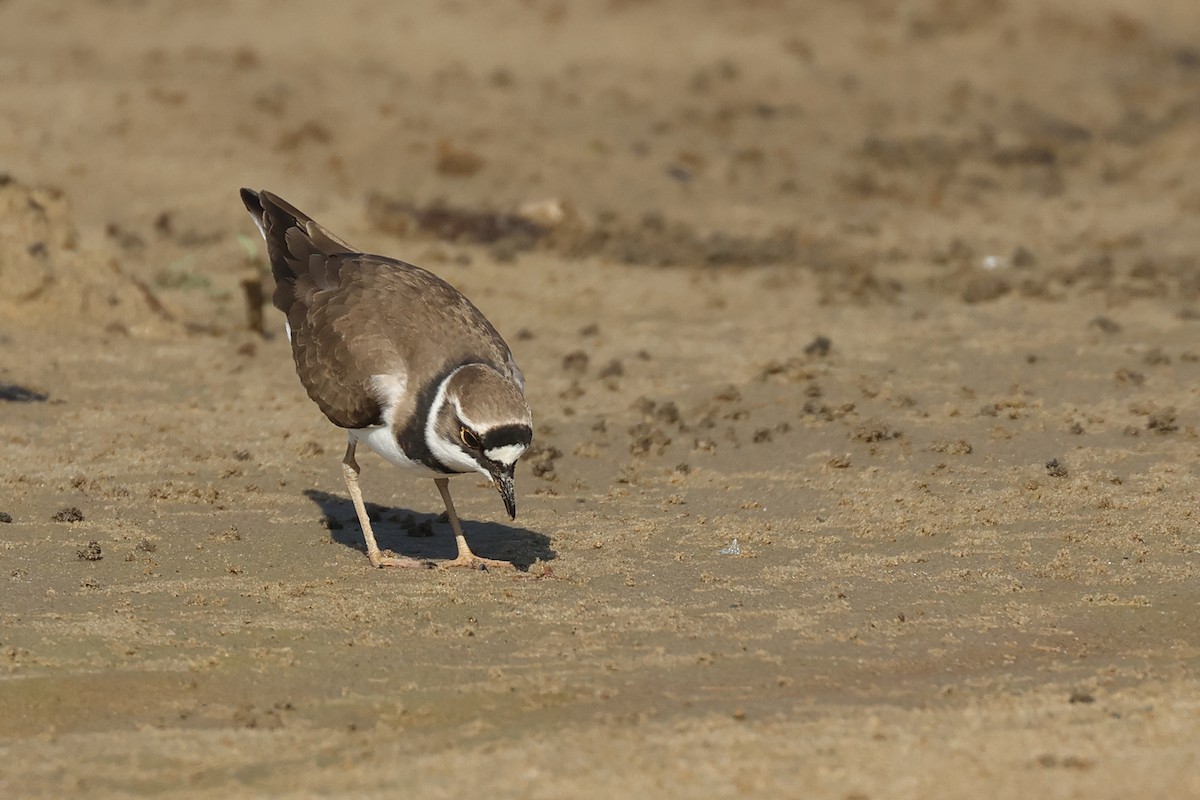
(401, 360)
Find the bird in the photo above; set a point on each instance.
(399, 359)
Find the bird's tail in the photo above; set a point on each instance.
(298, 247)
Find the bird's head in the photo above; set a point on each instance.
(479, 421)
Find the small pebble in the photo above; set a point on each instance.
(69, 514)
(90, 553)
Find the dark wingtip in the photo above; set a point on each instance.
(252, 201)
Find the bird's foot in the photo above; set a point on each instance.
(472, 561)
(378, 559)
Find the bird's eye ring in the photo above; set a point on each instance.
(469, 438)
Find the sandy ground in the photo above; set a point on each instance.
(902, 297)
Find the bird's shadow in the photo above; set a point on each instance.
(428, 537)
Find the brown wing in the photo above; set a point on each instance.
(353, 316)
(386, 317)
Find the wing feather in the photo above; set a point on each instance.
(355, 317)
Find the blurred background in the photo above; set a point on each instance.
(870, 137)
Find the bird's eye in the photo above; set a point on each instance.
(469, 438)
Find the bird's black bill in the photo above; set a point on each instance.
(504, 482)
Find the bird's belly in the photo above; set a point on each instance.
(380, 439)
